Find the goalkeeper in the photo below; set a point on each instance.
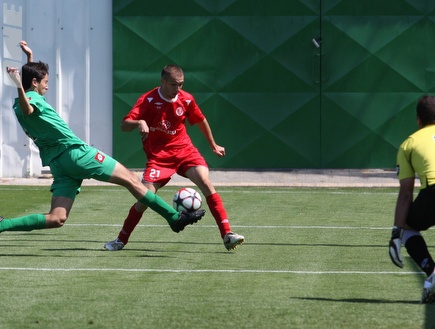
(416, 155)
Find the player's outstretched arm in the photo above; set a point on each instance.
(24, 102)
(26, 49)
(206, 131)
(403, 203)
(404, 200)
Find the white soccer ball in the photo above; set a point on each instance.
(187, 199)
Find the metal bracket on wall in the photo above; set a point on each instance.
(317, 42)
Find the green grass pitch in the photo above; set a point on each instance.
(313, 258)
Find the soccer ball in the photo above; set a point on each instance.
(187, 199)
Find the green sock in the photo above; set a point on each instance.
(161, 207)
(25, 223)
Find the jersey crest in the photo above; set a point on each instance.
(179, 111)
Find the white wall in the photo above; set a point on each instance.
(75, 38)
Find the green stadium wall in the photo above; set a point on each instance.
(273, 98)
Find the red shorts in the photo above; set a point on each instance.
(160, 170)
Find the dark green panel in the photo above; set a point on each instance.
(429, 49)
(360, 59)
(375, 66)
(270, 8)
(377, 7)
(364, 130)
(272, 98)
(129, 145)
(369, 148)
(142, 8)
(251, 66)
(255, 119)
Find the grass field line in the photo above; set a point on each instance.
(150, 270)
(248, 226)
(259, 190)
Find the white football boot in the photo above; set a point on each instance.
(232, 240)
(114, 245)
(428, 295)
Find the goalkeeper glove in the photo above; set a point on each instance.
(395, 245)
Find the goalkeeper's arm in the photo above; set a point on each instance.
(404, 201)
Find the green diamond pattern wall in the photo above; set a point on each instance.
(375, 66)
(273, 98)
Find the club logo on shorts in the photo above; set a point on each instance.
(99, 157)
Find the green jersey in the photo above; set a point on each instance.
(46, 128)
(416, 155)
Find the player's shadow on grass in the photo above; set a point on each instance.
(317, 245)
(21, 255)
(360, 300)
(132, 247)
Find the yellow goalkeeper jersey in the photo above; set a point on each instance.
(416, 155)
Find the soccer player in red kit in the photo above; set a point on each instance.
(159, 115)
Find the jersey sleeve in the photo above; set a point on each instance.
(404, 165)
(37, 103)
(194, 113)
(137, 109)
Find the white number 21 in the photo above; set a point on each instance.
(154, 173)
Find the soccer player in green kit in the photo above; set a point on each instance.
(70, 159)
(416, 156)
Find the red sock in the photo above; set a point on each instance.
(219, 213)
(130, 223)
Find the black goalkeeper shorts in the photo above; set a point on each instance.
(421, 214)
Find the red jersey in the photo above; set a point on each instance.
(166, 121)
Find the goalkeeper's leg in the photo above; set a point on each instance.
(417, 249)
